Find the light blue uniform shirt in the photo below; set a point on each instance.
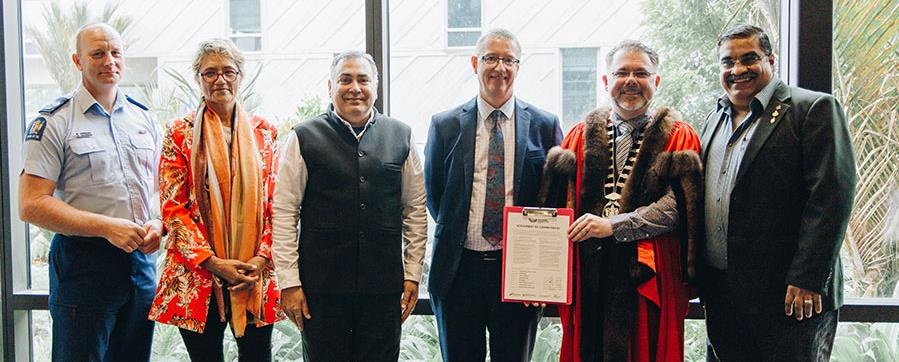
(104, 163)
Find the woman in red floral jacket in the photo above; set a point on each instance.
(217, 174)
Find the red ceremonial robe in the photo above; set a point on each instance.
(663, 300)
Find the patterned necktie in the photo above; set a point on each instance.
(623, 144)
(495, 198)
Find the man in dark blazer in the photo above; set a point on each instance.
(780, 181)
(487, 153)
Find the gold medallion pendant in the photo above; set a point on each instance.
(612, 206)
(616, 178)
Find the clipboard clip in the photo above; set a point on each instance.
(539, 211)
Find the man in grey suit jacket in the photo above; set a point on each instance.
(480, 156)
(780, 180)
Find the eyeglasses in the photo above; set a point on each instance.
(213, 75)
(639, 74)
(747, 60)
(493, 59)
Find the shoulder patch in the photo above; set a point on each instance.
(56, 105)
(36, 129)
(136, 103)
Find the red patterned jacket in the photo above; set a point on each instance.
(185, 287)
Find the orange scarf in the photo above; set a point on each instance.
(229, 192)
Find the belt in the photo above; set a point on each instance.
(489, 255)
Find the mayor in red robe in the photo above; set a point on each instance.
(630, 298)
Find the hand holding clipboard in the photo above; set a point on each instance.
(537, 255)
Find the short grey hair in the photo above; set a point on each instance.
(352, 54)
(218, 46)
(498, 33)
(632, 46)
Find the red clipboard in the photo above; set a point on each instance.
(522, 278)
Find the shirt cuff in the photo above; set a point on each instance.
(413, 273)
(625, 228)
(288, 279)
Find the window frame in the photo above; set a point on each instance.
(597, 72)
(232, 35)
(449, 29)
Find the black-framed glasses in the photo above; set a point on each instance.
(493, 59)
(747, 60)
(639, 74)
(213, 75)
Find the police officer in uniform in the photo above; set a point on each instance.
(90, 177)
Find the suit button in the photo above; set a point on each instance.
(362, 206)
(361, 235)
(361, 154)
(361, 179)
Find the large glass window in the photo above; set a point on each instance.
(463, 22)
(431, 42)
(563, 47)
(245, 21)
(285, 82)
(866, 82)
(579, 70)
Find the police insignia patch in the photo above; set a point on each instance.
(36, 129)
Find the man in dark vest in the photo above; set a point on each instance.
(352, 179)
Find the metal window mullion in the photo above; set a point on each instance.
(377, 44)
(16, 325)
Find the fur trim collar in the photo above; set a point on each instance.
(597, 158)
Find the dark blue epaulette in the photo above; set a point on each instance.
(56, 105)
(136, 103)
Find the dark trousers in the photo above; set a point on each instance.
(608, 300)
(352, 327)
(98, 305)
(736, 336)
(474, 305)
(255, 345)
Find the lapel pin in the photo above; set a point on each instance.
(775, 113)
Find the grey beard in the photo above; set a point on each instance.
(645, 103)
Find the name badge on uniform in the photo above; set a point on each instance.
(85, 134)
(36, 129)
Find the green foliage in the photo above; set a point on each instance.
(685, 34)
(55, 39)
(167, 344)
(694, 340)
(549, 340)
(866, 82)
(287, 342)
(419, 339)
(309, 107)
(164, 103)
(866, 342)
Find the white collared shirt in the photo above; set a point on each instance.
(288, 201)
(475, 239)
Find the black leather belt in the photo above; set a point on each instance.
(491, 255)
